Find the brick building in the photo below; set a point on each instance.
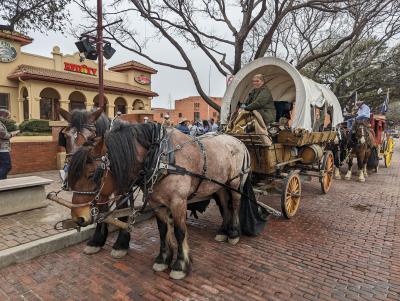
(192, 108)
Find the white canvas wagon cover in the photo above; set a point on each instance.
(285, 84)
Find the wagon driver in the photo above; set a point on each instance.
(260, 100)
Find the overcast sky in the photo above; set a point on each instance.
(168, 83)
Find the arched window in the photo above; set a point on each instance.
(49, 104)
(77, 101)
(96, 103)
(138, 104)
(120, 105)
(24, 96)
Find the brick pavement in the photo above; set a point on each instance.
(340, 246)
(20, 228)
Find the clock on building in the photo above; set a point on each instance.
(8, 53)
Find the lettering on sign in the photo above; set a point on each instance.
(8, 53)
(143, 80)
(80, 69)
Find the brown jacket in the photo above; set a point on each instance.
(5, 136)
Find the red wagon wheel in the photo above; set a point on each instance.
(327, 168)
(291, 194)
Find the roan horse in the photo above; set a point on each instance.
(362, 146)
(89, 128)
(171, 168)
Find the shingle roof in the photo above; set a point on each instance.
(133, 65)
(31, 72)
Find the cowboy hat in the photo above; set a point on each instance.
(182, 120)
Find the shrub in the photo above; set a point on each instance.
(35, 125)
(9, 123)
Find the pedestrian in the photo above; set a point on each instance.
(197, 129)
(183, 126)
(214, 125)
(167, 121)
(146, 119)
(5, 145)
(206, 126)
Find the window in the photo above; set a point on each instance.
(4, 101)
(214, 114)
(179, 115)
(161, 115)
(196, 116)
(196, 106)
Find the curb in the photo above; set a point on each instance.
(44, 246)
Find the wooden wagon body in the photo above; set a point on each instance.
(297, 151)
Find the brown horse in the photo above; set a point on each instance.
(361, 146)
(89, 128)
(171, 168)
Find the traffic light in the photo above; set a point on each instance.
(108, 51)
(89, 51)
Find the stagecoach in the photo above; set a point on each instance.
(285, 153)
(383, 140)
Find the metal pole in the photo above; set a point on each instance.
(100, 52)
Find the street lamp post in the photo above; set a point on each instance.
(100, 52)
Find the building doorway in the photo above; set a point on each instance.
(77, 101)
(49, 104)
(138, 104)
(120, 105)
(25, 102)
(96, 103)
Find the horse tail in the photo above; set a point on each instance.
(250, 215)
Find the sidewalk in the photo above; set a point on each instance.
(29, 234)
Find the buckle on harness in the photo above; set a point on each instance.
(163, 165)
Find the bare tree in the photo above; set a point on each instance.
(230, 33)
(41, 15)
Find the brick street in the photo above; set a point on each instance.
(340, 246)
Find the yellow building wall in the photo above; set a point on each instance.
(56, 62)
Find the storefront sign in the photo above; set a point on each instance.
(80, 69)
(143, 80)
(8, 53)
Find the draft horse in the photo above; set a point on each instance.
(362, 145)
(88, 128)
(171, 168)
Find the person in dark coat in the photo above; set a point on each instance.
(183, 126)
(260, 100)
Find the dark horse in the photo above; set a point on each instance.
(88, 128)
(340, 148)
(179, 168)
(362, 146)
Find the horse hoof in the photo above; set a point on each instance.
(177, 275)
(160, 267)
(233, 241)
(338, 177)
(362, 180)
(89, 250)
(221, 237)
(118, 253)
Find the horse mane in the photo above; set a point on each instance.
(77, 165)
(122, 149)
(80, 119)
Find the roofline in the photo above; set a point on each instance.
(14, 36)
(27, 76)
(138, 68)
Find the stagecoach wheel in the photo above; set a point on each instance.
(291, 193)
(327, 167)
(388, 152)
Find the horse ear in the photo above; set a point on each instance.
(95, 115)
(65, 114)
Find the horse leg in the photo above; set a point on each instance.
(360, 161)
(222, 198)
(98, 239)
(234, 229)
(164, 224)
(121, 245)
(366, 158)
(181, 266)
(350, 166)
(336, 159)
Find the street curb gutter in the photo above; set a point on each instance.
(44, 246)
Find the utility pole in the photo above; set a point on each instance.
(99, 44)
(209, 92)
